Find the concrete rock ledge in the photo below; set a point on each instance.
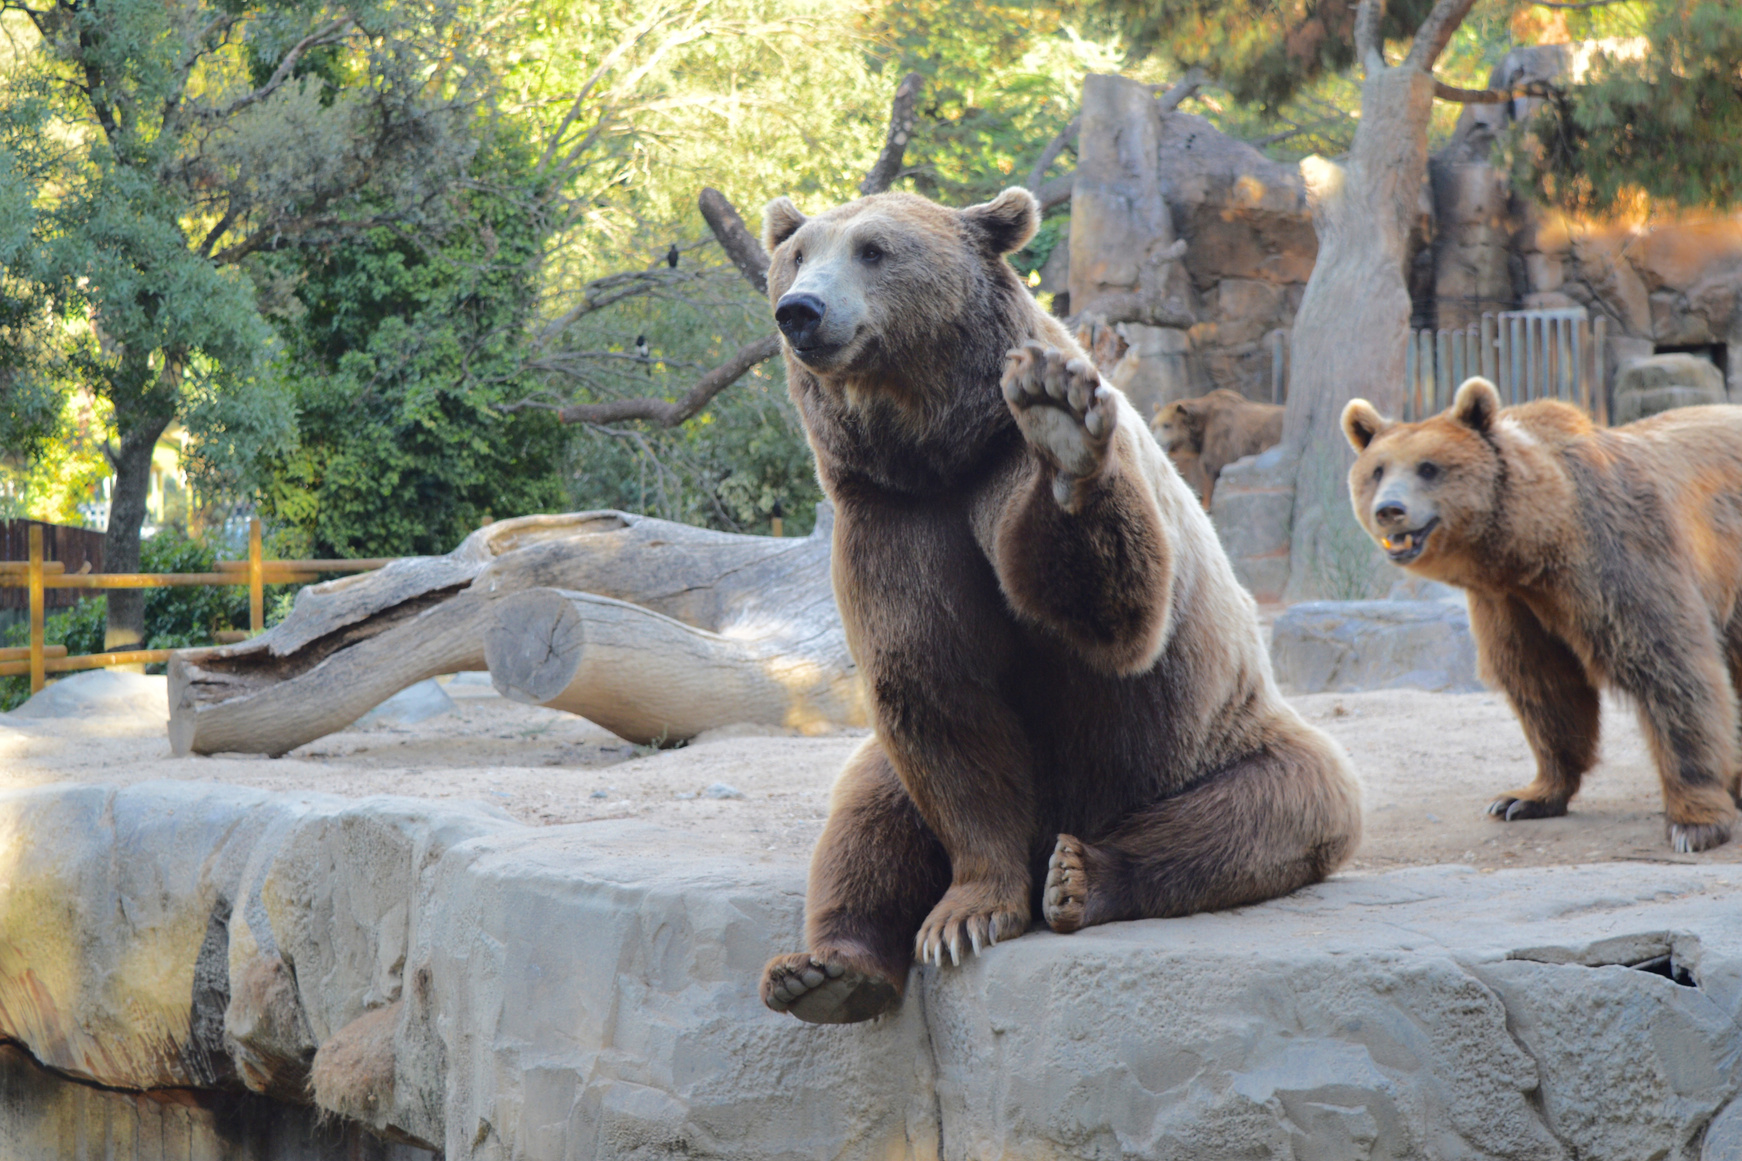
(454, 981)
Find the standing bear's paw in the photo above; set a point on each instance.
(1063, 409)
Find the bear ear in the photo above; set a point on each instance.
(1007, 222)
(780, 221)
(1476, 405)
(1362, 423)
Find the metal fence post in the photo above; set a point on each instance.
(38, 663)
(256, 579)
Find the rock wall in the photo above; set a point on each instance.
(1664, 279)
(1195, 244)
(456, 980)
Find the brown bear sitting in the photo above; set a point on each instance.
(1204, 435)
(1591, 557)
(1072, 703)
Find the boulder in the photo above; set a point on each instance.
(493, 990)
(100, 693)
(1252, 509)
(1347, 646)
(1663, 382)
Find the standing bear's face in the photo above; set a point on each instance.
(1427, 491)
(884, 281)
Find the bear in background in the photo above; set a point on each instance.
(1591, 557)
(1204, 435)
(1072, 705)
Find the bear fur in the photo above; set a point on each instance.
(1204, 435)
(1072, 705)
(1592, 557)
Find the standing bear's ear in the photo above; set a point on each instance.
(1476, 404)
(780, 221)
(1007, 222)
(1362, 423)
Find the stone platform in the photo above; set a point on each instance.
(464, 983)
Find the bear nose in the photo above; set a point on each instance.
(1390, 512)
(798, 316)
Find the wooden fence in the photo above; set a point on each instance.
(38, 576)
(1527, 354)
(75, 549)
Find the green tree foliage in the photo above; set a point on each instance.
(398, 348)
(1658, 115)
(1263, 52)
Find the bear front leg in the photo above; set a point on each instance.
(876, 872)
(1550, 692)
(1080, 545)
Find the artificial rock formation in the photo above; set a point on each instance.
(655, 630)
(1196, 245)
(500, 991)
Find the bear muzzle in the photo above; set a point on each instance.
(800, 319)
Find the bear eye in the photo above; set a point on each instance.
(798, 257)
(1379, 471)
(870, 254)
(1428, 471)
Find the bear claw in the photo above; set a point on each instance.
(1692, 837)
(1514, 808)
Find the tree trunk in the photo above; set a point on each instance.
(1349, 332)
(654, 629)
(132, 463)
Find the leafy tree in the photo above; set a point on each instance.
(1659, 117)
(398, 346)
(170, 143)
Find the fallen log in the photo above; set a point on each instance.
(660, 606)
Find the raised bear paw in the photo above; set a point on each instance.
(1063, 409)
(975, 913)
(824, 987)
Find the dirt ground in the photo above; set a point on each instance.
(1429, 762)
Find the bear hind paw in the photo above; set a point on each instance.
(822, 988)
(1065, 897)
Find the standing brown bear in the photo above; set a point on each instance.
(1591, 557)
(1067, 686)
(1210, 432)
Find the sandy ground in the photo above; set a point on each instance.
(1429, 762)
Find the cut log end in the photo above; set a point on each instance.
(535, 646)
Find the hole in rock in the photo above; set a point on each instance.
(1667, 967)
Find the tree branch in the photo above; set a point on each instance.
(1183, 88)
(1369, 48)
(669, 414)
(1051, 153)
(1447, 92)
(1580, 4)
(888, 164)
(735, 238)
(1436, 32)
(1055, 191)
(315, 39)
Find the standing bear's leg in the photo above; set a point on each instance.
(1550, 692)
(876, 873)
(1270, 823)
(1672, 665)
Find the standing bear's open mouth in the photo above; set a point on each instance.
(1403, 547)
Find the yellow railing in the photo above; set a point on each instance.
(39, 659)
